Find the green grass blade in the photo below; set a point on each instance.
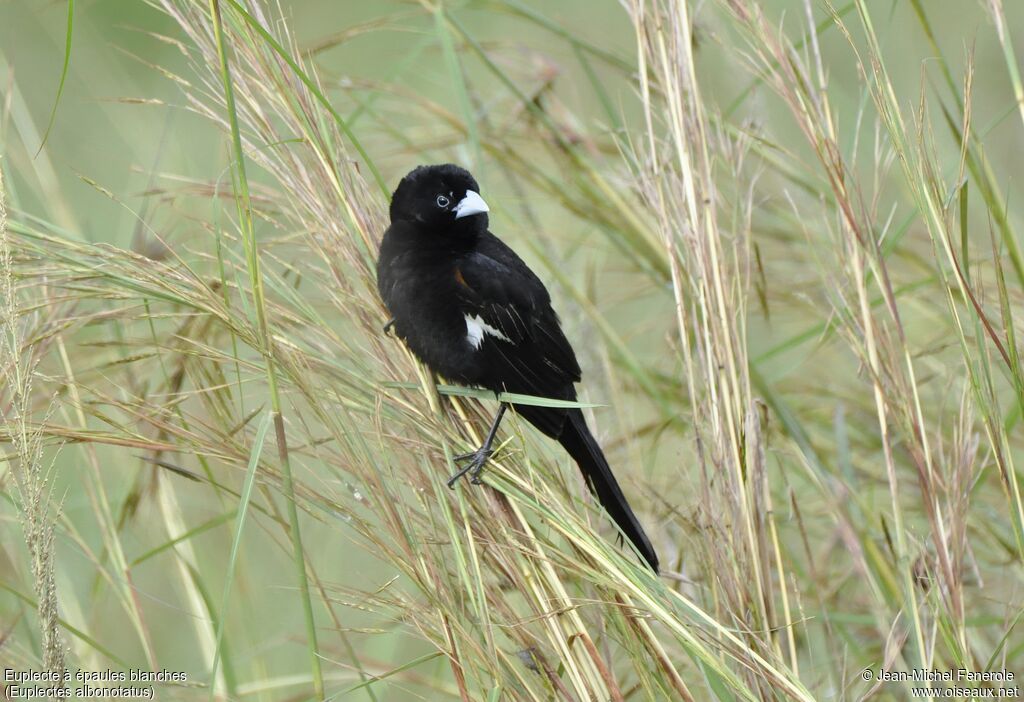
(63, 74)
(480, 394)
(241, 512)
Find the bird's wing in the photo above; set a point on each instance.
(501, 296)
(499, 289)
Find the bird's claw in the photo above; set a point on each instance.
(388, 326)
(475, 466)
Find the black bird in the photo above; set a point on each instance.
(475, 313)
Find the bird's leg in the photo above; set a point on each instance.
(478, 458)
(387, 327)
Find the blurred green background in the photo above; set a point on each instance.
(100, 133)
(126, 154)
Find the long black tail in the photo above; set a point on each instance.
(581, 445)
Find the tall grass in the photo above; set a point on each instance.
(29, 467)
(862, 511)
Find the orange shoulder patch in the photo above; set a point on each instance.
(459, 279)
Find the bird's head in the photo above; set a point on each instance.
(444, 199)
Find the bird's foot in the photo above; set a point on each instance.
(475, 462)
(388, 326)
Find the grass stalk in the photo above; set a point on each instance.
(245, 214)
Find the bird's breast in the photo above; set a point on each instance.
(430, 318)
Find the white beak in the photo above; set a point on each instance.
(470, 205)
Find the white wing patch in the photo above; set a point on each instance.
(476, 328)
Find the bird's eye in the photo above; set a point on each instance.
(442, 201)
